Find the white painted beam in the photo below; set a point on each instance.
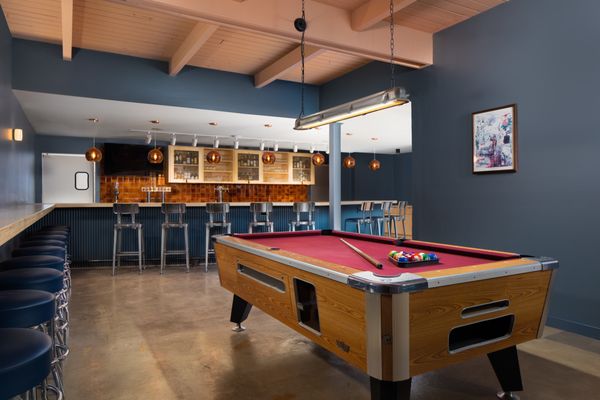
(328, 27)
(66, 10)
(373, 12)
(285, 64)
(190, 46)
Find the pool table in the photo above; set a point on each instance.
(393, 323)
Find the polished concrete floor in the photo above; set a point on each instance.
(168, 337)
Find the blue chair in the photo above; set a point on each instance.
(25, 360)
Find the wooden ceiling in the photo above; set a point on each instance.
(116, 27)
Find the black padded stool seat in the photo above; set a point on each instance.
(41, 261)
(25, 308)
(64, 228)
(40, 250)
(25, 357)
(46, 279)
(49, 235)
(42, 242)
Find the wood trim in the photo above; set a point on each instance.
(516, 262)
(66, 8)
(373, 12)
(284, 64)
(18, 218)
(190, 46)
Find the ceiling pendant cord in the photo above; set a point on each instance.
(300, 25)
(392, 65)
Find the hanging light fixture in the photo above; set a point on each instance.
(349, 162)
(213, 157)
(374, 164)
(155, 156)
(394, 96)
(318, 159)
(93, 154)
(268, 157)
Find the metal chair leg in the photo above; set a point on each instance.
(187, 248)
(140, 250)
(206, 240)
(162, 249)
(119, 246)
(114, 259)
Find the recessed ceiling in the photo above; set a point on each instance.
(60, 115)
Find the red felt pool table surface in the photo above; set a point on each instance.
(327, 246)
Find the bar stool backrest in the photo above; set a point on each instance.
(386, 207)
(261, 209)
(174, 210)
(366, 209)
(216, 210)
(121, 209)
(402, 208)
(304, 207)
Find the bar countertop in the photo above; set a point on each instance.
(203, 204)
(14, 219)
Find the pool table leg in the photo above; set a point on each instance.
(239, 312)
(387, 390)
(506, 366)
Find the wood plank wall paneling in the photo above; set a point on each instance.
(130, 191)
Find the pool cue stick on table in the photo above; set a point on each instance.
(364, 255)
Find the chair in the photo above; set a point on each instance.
(400, 217)
(366, 209)
(121, 210)
(299, 208)
(173, 220)
(385, 217)
(218, 217)
(261, 216)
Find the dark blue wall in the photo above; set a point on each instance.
(39, 67)
(512, 54)
(16, 158)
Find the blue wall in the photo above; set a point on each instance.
(513, 53)
(16, 158)
(39, 67)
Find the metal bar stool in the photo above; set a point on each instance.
(121, 210)
(366, 209)
(261, 216)
(218, 217)
(384, 218)
(401, 217)
(173, 220)
(299, 208)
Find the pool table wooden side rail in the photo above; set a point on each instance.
(341, 308)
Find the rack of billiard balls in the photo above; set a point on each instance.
(407, 259)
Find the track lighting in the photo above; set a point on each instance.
(173, 139)
(236, 143)
(148, 139)
(262, 145)
(312, 148)
(216, 143)
(276, 147)
(195, 141)
(295, 148)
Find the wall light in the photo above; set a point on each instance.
(17, 135)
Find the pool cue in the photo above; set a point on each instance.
(364, 255)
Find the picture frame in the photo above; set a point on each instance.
(494, 140)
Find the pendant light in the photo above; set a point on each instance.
(394, 96)
(318, 159)
(349, 162)
(268, 158)
(93, 154)
(374, 164)
(213, 157)
(155, 156)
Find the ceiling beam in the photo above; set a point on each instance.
(374, 11)
(285, 64)
(190, 46)
(328, 27)
(66, 9)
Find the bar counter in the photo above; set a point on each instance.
(92, 225)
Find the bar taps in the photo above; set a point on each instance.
(220, 189)
(116, 191)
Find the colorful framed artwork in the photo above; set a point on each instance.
(495, 140)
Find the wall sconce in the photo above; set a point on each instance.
(17, 135)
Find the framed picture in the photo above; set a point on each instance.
(495, 140)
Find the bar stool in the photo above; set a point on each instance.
(366, 209)
(299, 208)
(218, 217)
(25, 360)
(176, 211)
(54, 251)
(33, 309)
(121, 210)
(261, 216)
(401, 217)
(384, 218)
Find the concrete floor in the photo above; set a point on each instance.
(168, 337)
